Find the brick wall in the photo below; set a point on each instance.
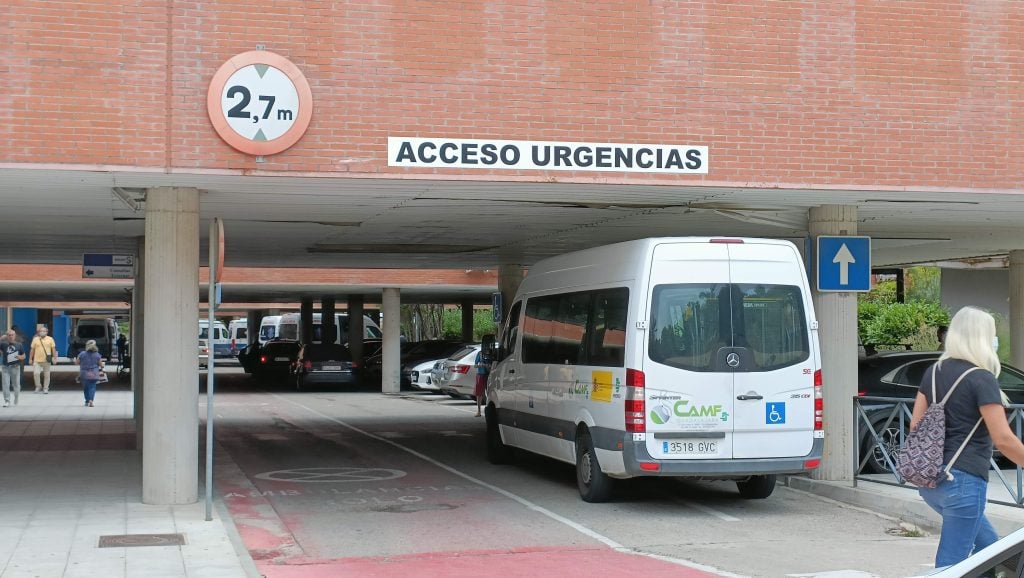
(852, 92)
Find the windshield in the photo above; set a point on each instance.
(691, 325)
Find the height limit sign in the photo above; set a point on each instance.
(259, 102)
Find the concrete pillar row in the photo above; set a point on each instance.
(1017, 307)
(170, 452)
(327, 326)
(253, 319)
(355, 328)
(837, 333)
(391, 354)
(137, 345)
(510, 277)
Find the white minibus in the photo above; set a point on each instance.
(289, 328)
(270, 329)
(687, 357)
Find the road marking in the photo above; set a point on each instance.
(836, 574)
(331, 475)
(711, 511)
(528, 504)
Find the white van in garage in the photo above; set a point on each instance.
(289, 328)
(270, 329)
(688, 357)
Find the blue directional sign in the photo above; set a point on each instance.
(844, 264)
(107, 266)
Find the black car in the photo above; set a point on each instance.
(409, 351)
(274, 359)
(325, 363)
(898, 374)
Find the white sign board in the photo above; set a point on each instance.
(107, 266)
(546, 155)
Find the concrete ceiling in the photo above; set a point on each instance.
(53, 216)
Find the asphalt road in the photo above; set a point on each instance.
(356, 483)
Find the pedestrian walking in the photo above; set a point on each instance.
(13, 352)
(90, 370)
(480, 386)
(41, 355)
(975, 420)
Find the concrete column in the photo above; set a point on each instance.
(253, 318)
(328, 328)
(509, 279)
(136, 346)
(837, 333)
(306, 320)
(355, 328)
(392, 352)
(170, 452)
(1017, 308)
(467, 320)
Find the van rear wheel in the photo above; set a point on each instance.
(497, 452)
(595, 486)
(757, 487)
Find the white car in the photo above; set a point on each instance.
(458, 378)
(420, 375)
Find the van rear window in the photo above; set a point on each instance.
(693, 325)
(92, 332)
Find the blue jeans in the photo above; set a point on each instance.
(965, 529)
(89, 388)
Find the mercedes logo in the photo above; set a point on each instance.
(733, 360)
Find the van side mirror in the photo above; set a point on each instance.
(488, 349)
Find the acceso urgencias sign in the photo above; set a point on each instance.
(546, 156)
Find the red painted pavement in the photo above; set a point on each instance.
(524, 563)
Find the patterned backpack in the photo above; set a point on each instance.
(920, 458)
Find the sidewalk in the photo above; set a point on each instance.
(903, 502)
(70, 476)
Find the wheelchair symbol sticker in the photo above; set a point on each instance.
(775, 413)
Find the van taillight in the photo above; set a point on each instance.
(819, 404)
(636, 408)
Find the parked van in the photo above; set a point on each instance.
(101, 329)
(270, 329)
(289, 328)
(219, 343)
(238, 332)
(688, 357)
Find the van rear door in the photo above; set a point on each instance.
(689, 387)
(773, 415)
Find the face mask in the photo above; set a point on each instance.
(995, 343)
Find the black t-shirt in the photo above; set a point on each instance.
(962, 412)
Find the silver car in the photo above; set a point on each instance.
(458, 377)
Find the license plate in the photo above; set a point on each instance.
(689, 448)
(281, 359)
(331, 368)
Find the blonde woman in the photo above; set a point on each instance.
(90, 368)
(971, 344)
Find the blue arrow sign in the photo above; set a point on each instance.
(844, 264)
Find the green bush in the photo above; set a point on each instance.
(894, 324)
(451, 324)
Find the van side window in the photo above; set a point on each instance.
(606, 337)
(568, 329)
(538, 329)
(508, 340)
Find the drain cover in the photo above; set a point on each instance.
(134, 540)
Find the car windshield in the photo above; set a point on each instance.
(326, 352)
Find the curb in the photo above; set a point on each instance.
(902, 503)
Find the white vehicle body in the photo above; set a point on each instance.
(690, 357)
(219, 342)
(238, 332)
(102, 330)
(289, 327)
(270, 328)
(420, 375)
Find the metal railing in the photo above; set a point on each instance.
(880, 425)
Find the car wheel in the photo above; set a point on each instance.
(595, 486)
(497, 452)
(892, 438)
(757, 487)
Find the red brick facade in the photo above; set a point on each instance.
(917, 93)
